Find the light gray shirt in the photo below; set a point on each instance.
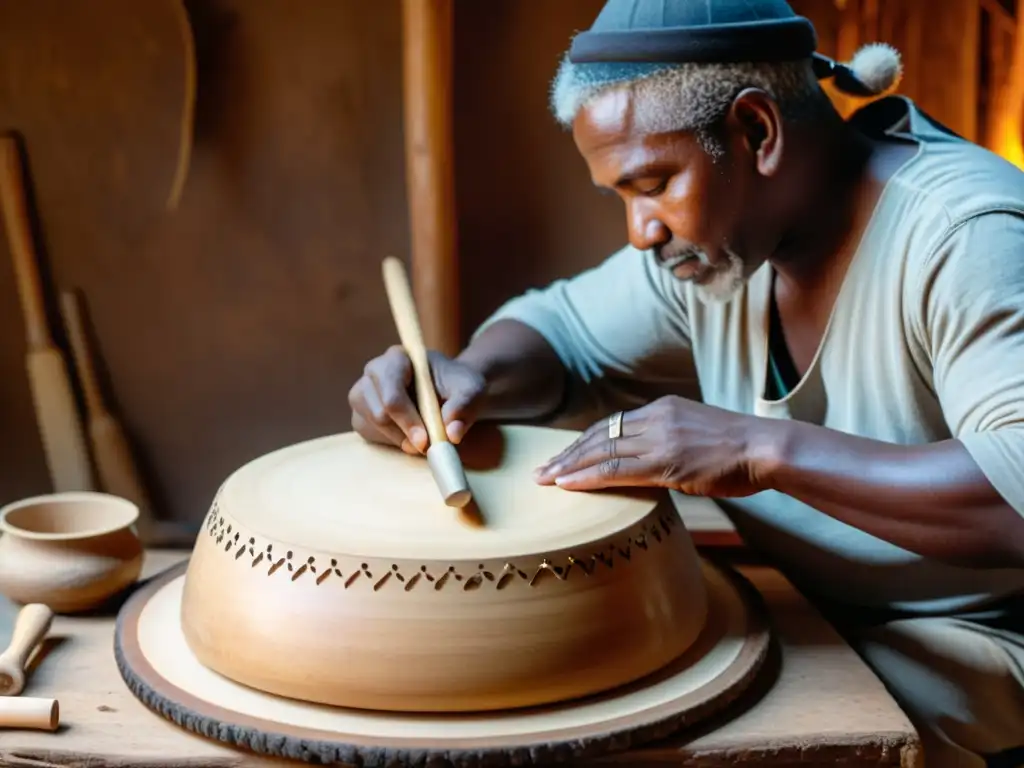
(925, 342)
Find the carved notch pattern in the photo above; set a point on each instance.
(241, 545)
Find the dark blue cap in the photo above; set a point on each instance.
(679, 31)
(630, 38)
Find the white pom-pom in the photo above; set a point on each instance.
(877, 66)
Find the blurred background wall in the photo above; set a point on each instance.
(235, 321)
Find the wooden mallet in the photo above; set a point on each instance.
(111, 451)
(30, 628)
(442, 456)
(60, 428)
(24, 712)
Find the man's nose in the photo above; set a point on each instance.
(645, 229)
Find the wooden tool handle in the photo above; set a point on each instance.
(71, 312)
(30, 628)
(31, 713)
(19, 237)
(403, 309)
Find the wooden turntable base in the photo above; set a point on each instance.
(157, 665)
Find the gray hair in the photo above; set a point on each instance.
(692, 98)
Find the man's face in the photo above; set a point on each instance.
(679, 203)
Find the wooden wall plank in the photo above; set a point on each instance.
(236, 323)
(946, 76)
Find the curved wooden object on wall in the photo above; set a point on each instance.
(188, 107)
(430, 174)
(110, 114)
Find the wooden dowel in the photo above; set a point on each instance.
(25, 713)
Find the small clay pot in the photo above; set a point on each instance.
(72, 551)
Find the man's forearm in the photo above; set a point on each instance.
(930, 499)
(525, 378)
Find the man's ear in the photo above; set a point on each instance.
(754, 118)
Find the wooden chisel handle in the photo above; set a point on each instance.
(403, 309)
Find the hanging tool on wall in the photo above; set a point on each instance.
(49, 379)
(111, 452)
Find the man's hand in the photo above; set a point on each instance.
(383, 410)
(673, 443)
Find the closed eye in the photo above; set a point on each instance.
(651, 191)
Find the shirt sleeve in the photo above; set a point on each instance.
(973, 329)
(620, 329)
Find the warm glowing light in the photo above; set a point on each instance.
(1007, 135)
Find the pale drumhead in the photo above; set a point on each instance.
(343, 495)
(156, 663)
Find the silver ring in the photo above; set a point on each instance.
(615, 426)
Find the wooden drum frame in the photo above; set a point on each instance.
(335, 610)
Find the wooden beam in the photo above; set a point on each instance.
(430, 182)
(997, 50)
(847, 41)
(970, 64)
(1000, 16)
(1007, 136)
(870, 20)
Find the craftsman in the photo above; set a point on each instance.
(817, 322)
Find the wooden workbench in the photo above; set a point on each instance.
(823, 705)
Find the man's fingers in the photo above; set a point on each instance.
(391, 375)
(610, 473)
(460, 389)
(572, 453)
(376, 425)
(384, 400)
(458, 413)
(589, 453)
(591, 447)
(382, 417)
(372, 433)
